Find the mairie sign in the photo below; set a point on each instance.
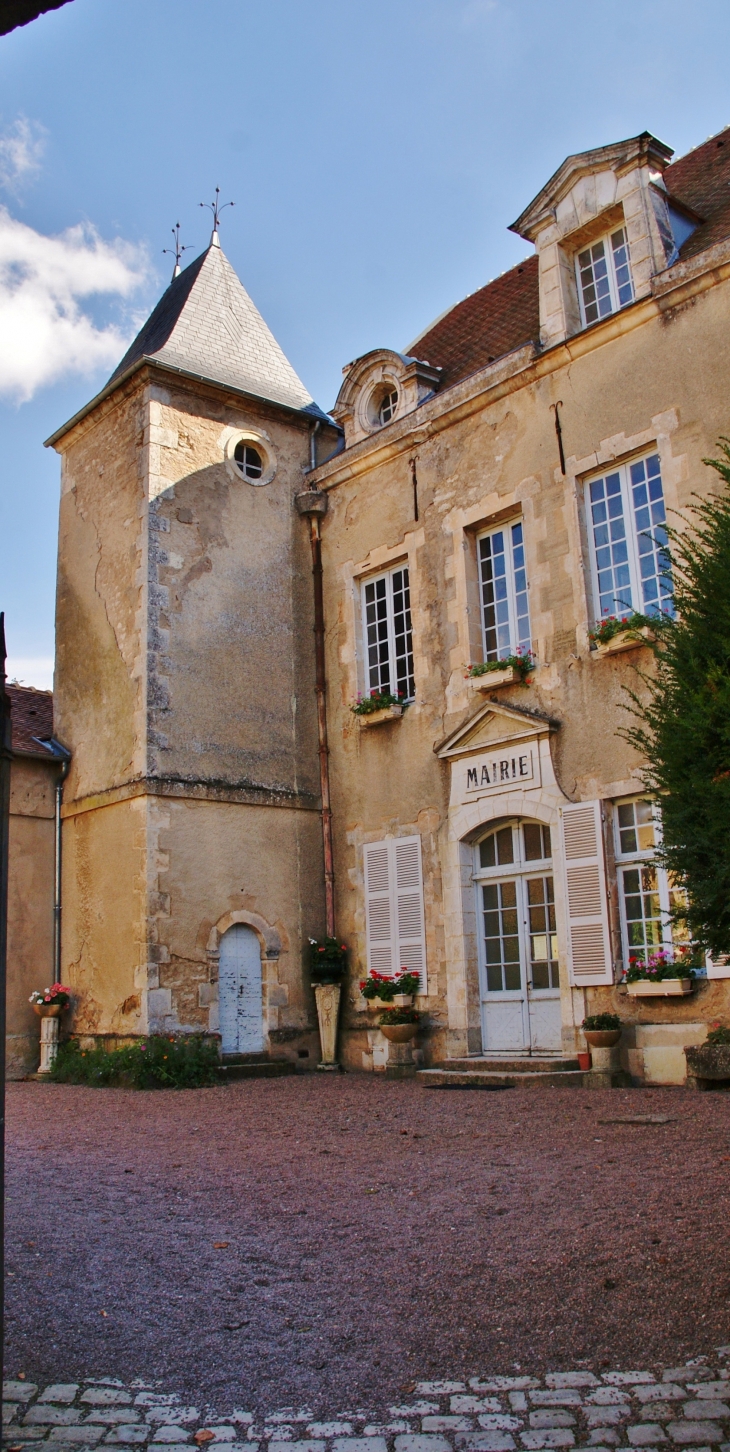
(511, 768)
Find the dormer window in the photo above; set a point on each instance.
(604, 277)
(387, 406)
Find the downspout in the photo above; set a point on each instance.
(63, 756)
(312, 504)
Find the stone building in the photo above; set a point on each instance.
(33, 777)
(498, 487)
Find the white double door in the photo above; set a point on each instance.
(519, 974)
(239, 992)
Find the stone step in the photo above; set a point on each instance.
(503, 1064)
(238, 1067)
(503, 1079)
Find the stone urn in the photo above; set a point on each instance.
(602, 1038)
(399, 1033)
(707, 1065)
(49, 1010)
(328, 1009)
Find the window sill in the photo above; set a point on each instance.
(492, 680)
(376, 718)
(626, 640)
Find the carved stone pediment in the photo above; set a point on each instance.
(494, 726)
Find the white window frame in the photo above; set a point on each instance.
(387, 577)
(634, 533)
(611, 275)
(511, 572)
(643, 857)
(520, 871)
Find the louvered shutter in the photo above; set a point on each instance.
(589, 944)
(379, 909)
(411, 934)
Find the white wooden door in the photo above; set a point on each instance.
(239, 992)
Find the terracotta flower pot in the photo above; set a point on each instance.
(49, 1010)
(399, 1033)
(584, 1061)
(602, 1038)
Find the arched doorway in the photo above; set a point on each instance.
(239, 991)
(518, 945)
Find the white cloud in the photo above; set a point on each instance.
(31, 671)
(44, 332)
(21, 149)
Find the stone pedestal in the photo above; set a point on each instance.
(328, 1008)
(606, 1061)
(49, 1044)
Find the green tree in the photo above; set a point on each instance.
(683, 717)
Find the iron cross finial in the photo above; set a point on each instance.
(176, 251)
(216, 208)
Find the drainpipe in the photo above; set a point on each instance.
(6, 756)
(312, 504)
(63, 756)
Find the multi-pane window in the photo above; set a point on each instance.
(604, 277)
(388, 634)
(387, 407)
(627, 527)
(503, 590)
(646, 892)
(517, 901)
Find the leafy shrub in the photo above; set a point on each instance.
(719, 1035)
(376, 701)
(183, 1061)
(597, 1022)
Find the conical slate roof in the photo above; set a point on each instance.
(206, 324)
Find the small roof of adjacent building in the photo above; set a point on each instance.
(505, 314)
(31, 718)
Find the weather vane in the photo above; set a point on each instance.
(176, 251)
(216, 208)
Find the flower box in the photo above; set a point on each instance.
(491, 680)
(663, 988)
(376, 718)
(625, 640)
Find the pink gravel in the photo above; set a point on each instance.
(369, 1234)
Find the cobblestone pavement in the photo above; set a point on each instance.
(673, 1407)
(322, 1240)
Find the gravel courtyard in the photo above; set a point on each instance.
(332, 1240)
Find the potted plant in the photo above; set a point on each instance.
(623, 632)
(379, 706)
(505, 672)
(327, 967)
(383, 992)
(662, 976)
(602, 1030)
(52, 1001)
(709, 1062)
(399, 1025)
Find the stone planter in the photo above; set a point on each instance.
(666, 988)
(707, 1064)
(402, 1000)
(602, 1038)
(626, 640)
(328, 1008)
(491, 680)
(399, 1033)
(375, 718)
(49, 1010)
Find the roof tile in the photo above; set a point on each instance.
(31, 716)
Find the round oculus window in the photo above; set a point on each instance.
(387, 406)
(248, 460)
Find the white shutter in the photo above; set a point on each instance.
(411, 933)
(718, 967)
(589, 943)
(396, 936)
(378, 908)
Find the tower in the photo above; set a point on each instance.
(185, 679)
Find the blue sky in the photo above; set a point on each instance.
(376, 150)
